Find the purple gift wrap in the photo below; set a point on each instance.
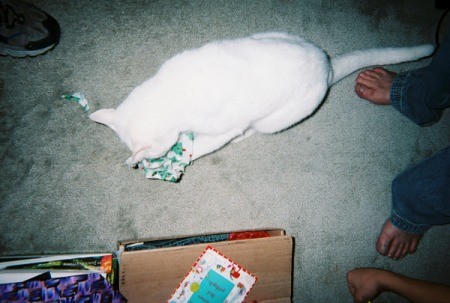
(89, 288)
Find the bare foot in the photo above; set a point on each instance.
(365, 283)
(396, 243)
(375, 85)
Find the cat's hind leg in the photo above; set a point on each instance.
(206, 144)
(287, 116)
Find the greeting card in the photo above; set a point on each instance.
(214, 278)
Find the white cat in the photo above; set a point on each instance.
(226, 90)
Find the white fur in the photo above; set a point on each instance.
(227, 90)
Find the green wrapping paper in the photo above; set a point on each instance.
(171, 166)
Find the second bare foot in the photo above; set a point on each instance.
(396, 243)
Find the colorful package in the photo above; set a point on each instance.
(214, 278)
(171, 166)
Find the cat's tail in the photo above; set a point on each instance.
(346, 64)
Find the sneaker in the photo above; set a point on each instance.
(26, 30)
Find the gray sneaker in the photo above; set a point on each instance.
(26, 30)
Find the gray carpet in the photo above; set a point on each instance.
(65, 187)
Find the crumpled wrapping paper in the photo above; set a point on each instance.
(171, 166)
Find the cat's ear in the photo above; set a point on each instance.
(105, 116)
(156, 148)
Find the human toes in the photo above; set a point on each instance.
(376, 75)
(370, 73)
(387, 244)
(365, 92)
(414, 244)
(367, 81)
(366, 77)
(398, 251)
(371, 79)
(373, 74)
(383, 247)
(384, 75)
(384, 240)
(405, 248)
(395, 250)
(412, 247)
(380, 70)
(360, 90)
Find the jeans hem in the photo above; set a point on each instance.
(407, 226)
(397, 91)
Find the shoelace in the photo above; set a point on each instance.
(9, 17)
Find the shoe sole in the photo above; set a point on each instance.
(16, 53)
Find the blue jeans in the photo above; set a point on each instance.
(421, 194)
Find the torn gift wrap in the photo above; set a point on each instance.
(78, 98)
(171, 166)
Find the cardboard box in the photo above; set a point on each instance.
(153, 275)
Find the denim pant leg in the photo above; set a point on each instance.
(421, 194)
(423, 94)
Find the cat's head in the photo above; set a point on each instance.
(142, 141)
(108, 116)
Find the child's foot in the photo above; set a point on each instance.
(396, 243)
(375, 85)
